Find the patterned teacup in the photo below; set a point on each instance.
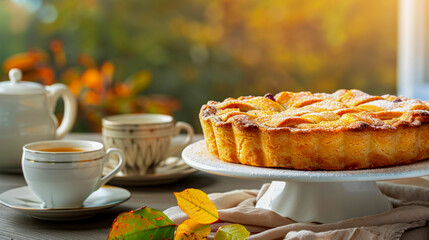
(145, 139)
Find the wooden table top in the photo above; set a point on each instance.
(14, 225)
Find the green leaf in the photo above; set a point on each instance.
(232, 232)
(145, 223)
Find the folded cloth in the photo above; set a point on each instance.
(409, 218)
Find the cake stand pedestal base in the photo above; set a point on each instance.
(324, 202)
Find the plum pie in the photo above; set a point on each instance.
(348, 129)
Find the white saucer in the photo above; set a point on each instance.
(23, 200)
(171, 170)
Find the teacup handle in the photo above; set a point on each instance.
(189, 136)
(60, 90)
(118, 167)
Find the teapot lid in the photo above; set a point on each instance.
(16, 87)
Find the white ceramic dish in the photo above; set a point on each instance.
(173, 169)
(66, 179)
(23, 200)
(197, 156)
(27, 115)
(311, 196)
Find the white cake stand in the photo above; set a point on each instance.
(311, 196)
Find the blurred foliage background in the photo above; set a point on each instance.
(173, 56)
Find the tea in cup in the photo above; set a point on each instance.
(145, 139)
(63, 173)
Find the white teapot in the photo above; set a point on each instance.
(27, 115)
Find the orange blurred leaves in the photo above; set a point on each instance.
(25, 61)
(121, 90)
(108, 69)
(92, 78)
(56, 47)
(47, 75)
(86, 61)
(95, 87)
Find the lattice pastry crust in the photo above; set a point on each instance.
(348, 129)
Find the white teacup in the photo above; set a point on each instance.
(63, 173)
(145, 139)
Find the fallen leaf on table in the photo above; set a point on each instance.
(232, 232)
(191, 230)
(145, 223)
(197, 205)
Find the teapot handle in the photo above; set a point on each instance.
(60, 90)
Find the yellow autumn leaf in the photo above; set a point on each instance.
(232, 232)
(191, 230)
(197, 205)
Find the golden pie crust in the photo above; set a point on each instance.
(348, 129)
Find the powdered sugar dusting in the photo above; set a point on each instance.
(381, 105)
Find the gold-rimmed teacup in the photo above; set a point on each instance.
(63, 173)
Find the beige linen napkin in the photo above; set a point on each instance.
(407, 220)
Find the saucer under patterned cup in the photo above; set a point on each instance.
(171, 170)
